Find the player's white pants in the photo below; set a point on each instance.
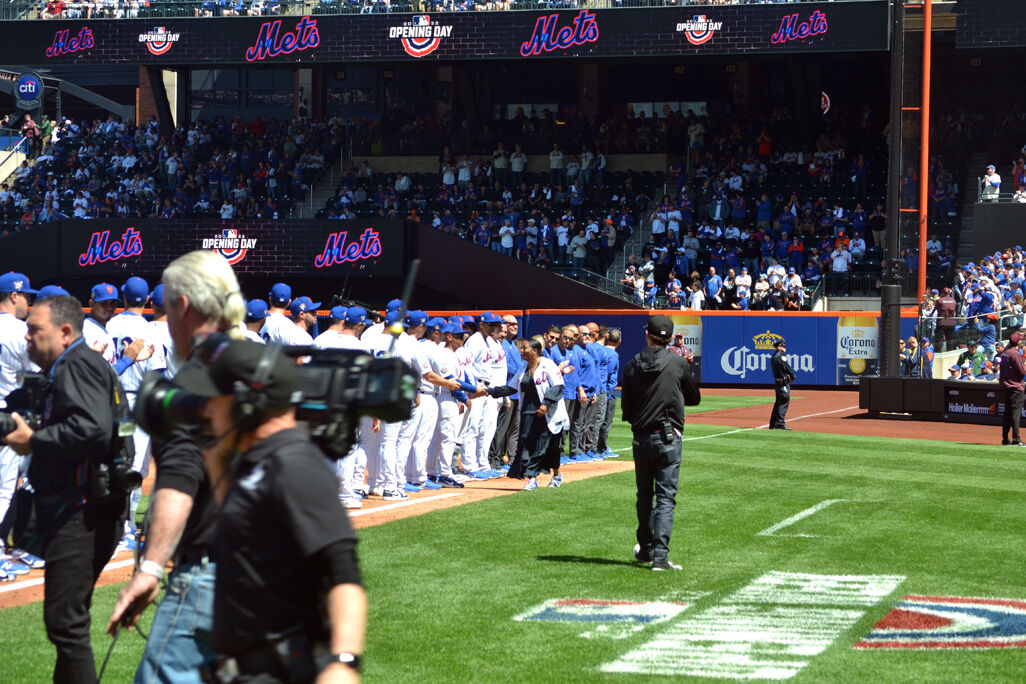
(404, 444)
(446, 434)
(374, 456)
(416, 463)
(489, 418)
(10, 462)
(468, 437)
(350, 470)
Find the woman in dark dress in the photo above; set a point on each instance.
(542, 414)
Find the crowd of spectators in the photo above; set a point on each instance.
(223, 168)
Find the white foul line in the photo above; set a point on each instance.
(26, 584)
(769, 531)
(402, 504)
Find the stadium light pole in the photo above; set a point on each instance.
(890, 292)
(924, 145)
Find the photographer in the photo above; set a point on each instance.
(201, 296)
(79, 519)
(289, 602)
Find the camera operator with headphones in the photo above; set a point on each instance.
(79, 474)
(289, 606)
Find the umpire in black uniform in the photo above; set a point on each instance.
(79, 507)
(783, 376)
(657, 384)
(289, 604)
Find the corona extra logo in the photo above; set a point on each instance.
(766, 340)
(419, 36)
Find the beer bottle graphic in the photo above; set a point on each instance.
(858, 348)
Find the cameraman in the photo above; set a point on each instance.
(79, 524)
(289, 605)
(201, 296)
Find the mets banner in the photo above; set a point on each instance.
(648, 32)
(111, 248)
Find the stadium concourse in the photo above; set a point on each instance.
(814, 411)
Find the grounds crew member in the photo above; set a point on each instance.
(79, 519)
(289, 602)
(656, 386)
(201, 296)
(783, 376)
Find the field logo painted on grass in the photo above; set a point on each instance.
(769, 629)
(936, 622)
(610, 618)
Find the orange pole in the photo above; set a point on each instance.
(924, 145)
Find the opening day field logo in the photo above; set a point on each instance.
(935, 622)
(231, 245)
(159, 40)
(419, 37)
(699, 29)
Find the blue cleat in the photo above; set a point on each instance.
(410, 487)
(14, 569)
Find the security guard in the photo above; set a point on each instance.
(783, 376)
(657, 384)
(289, 602)
(78, 517)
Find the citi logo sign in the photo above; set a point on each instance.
(30, 87)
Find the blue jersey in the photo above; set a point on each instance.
(513, 364)
(598, 353)
(589, 371)
(571, 380)
(612, 369)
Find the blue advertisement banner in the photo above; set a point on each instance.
(824, 350)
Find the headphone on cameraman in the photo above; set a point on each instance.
(251, 403)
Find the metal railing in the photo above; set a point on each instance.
(1000, 197)
(136, 9)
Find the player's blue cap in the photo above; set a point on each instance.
(303, 304)
(394, 305)
(52, 291)
(356, 314)
(454, 328)
(436, 324)
(393, 317)
(416, 318)
(256, 309)
(136, 290)
(16, 282)
(454, 319)
(280, 294)
(955, 368)
(157, 296)
(489, 317)
(338, 313)
(104, 292)
(466, 318)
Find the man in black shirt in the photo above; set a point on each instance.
(289, 602)
(201, 296)
(657, 384)
(783, 376)
(79, 525)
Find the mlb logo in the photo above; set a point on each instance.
(230, 233)
(421, 20)
(159, 29)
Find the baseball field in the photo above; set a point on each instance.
(841, 551)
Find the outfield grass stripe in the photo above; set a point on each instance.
(38, 581)
(402, 504)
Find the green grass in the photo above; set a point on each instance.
(444, 587)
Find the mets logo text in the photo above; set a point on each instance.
(699, 29)
(158, 41)
(231, 245)
(419, 36)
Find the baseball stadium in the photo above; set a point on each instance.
(476, 340)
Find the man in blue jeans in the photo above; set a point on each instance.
(657, 384)
(201, 296)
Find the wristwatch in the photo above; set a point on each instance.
(348, 659)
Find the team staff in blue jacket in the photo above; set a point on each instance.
(611, 342)
(565, 355)
(589, 388)
(595, 347)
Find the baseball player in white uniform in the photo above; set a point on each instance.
(278, 326)
(256, 314)
(344, 333)
(160, 335)
(304, 316)
(451, 362)
(103, 302)
(124, 329)
(371, 332)
(15, 293)
(486, 354)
